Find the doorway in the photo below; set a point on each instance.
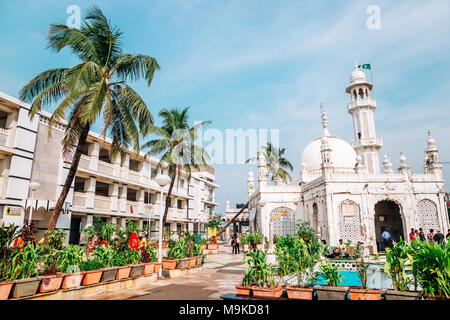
(388, 218)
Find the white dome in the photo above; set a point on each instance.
(343, 157)
(357, 76)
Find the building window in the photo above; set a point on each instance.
(153, 172)
(210, 195)
(102, 189)
(181, 183)
(135, 165)
(104, 155)
(85, 148)
(180, 204)
(131, 194)
(79, 184)
(147, 197)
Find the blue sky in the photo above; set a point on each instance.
(267, 64)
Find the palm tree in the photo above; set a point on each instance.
(176, 147)
(276, 164)
(94, 89)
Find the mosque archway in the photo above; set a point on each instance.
(388, 217)
(315, 218)
(283, 221)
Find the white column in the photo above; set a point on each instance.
(90, 192)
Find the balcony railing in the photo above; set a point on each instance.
(362, 102)
(79, 199)
(134, 176)
(102, 202)
(85, 161)
(105, 167)
(367, 141)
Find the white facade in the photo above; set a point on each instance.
(341, 191)
(117, 189)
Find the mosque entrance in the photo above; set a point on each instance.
(388, 218)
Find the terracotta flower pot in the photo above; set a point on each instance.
(182, 263)
(364, 294)
(158, 267)
(435, 297)
(25, 287)
(91, 277)
(109, 274)
(198, 260)
(123, 272)
(5, 289)
(331, 293)
(71, 280)
(400, 295)
(269, 293)
(213, 246)
(149, 268)
(192, 262)
(50, 283)
(136, 270)
(169, 264)
(203, 246)
(243, 291)
(300, 293)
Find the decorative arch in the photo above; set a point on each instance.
(349, 221)
(427, 215)
(283, 221)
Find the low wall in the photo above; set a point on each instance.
(179, 272)
(84, 292)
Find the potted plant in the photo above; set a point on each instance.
(245, 289)
(92, 272)
(7, 235)
(264, 275)
(332, 275)
(107, 257)
(177, 252)
(197, 253)
(134, 258)
(431, 265)
(148, 258)
(203, 243)
(51, 279)
(361, 266)
(245, 240)
(69, 261)
(24, 267)
(398, 259)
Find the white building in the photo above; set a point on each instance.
(117, 189)
(341, 190)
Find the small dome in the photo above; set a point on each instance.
(343, 156)
(357, 76)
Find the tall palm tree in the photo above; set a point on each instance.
(175, 144)
(276, 164)
(94, 89)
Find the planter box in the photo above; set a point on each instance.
(269, 293)
(203, 246)
(149, 268)
(436, 297)
(213, 246)
(331, 293)
(5, 289)
(198, 260)
(72, 280)
(300, 293)
(91, 277)
(123, 272)
(182, 263)
(109, 274)
(136, 270)
(364, 294)
(169, 264)
(192, 262)
(26, 287)
(243, 291)
(157, 267)
(400, 295)
(50, 283)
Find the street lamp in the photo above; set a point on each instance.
(162, 180)
(34, 185)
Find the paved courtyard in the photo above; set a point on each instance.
(221, 272)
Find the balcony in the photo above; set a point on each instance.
(367, 142)
(4, 137)
(79, 199)
(105, 167)
(102, 203)
(85, 162)
(132, 207)
(134, 176)
(361, 103)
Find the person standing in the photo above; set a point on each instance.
(412, 235)
(438, 237)
(430, 236)
(238, 240)
(447, 237)
(421, 235)
(387, 238)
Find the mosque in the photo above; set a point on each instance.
(341, 190)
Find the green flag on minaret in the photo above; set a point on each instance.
(365, 66)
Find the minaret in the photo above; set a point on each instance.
(404, 168)
(387, 165)
(432, 164)
(362, 107)
(250, 183)
(262, 170)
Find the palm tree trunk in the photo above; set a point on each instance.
(232, 220)
(69, 179)
(169, 193)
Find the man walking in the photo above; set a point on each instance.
(447, 237)
(421, 235)
(439, 237)
(387, 238)
(430, 236)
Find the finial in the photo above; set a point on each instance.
(324, 121)
(356, 65)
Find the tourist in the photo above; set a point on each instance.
(438, 237)
(416, 234)
(411, 235)
(430, 236)
(387, 238)
(341, 246)
(238, 238)
(421, 235)
(447, 237)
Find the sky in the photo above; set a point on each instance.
(256, 64)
